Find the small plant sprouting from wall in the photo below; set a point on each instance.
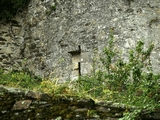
(51, 9)
(135, 115)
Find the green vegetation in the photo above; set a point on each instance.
(20, 79)
(51, 9)
(131, 82)
(9, 8)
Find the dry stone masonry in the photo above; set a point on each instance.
(43, 37)
(18, 104)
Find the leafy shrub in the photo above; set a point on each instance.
(134, 78)
(131, 82)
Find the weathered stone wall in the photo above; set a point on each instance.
(43, 37)
(17, 104)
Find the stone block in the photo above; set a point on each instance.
(86, 56)
(22, 104)
(6, 50)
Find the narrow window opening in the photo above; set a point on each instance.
(76, 64)
(79, 68)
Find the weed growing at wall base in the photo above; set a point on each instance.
(20, 79)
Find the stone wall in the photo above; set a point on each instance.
(17, 104)
(43, 37)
